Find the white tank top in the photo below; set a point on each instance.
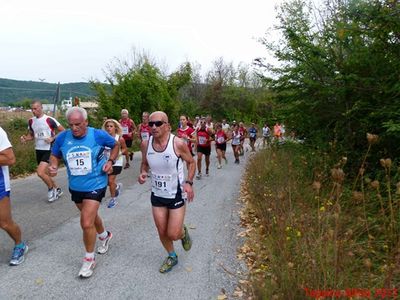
(107, 151)
(166, 169)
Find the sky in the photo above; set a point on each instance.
(75, 40)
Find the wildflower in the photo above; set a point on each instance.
(316, 186)
(388, 162)
(375, 184)
(337, 175)
(367, 263)
(372, 138)
(322, 208)
(358, 196)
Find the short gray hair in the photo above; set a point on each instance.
(73, 109)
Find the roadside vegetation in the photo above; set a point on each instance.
(311, 225)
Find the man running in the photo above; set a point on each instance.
(225, 126)
(128, 132)
(82, 149)
(41, 128)
(266, 132)
(7, 158)
(164, 154)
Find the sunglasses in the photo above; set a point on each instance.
(157, 123)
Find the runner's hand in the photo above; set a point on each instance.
(53, 170)
(188, 189)
(142, 177)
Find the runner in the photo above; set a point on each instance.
(7, 158)
(220, 145)
(266, 135)
(164, 154)
(277, 131)
(128, 132)
(253, 136)
(114, 129)
(225, 126)
(203, 139)
(82, 149)
(186, 133)
(144, 131)
(41, 128)
(236, 138)
(243, 133)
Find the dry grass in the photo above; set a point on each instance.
(309, 228)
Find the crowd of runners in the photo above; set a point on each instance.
(95, 157)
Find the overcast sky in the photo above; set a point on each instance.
(70, 41)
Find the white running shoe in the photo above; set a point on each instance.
(52, 195)
(219, 166)
(103, 248)
(198, 176)
(87, 267)
(59, 192)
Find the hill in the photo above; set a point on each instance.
(15, 90)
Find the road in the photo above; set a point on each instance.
(130, 268)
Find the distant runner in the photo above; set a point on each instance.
(220, 145)
(128, 132)
(144, 130)
(266, 132)
(42, 129)
(203, 136)
(186, 133)
(252, 136)
(114, 129)
(236, 138)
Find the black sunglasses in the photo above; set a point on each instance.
(157, 123)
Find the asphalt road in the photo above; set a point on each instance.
(130, 268)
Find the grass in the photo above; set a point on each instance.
(311, 227)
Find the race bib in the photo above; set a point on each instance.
(160, 182)
(220, 140)
(145, 136)
(202, 140)
(79, 163)
(125, 130)
(41, 135)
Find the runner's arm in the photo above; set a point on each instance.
(144, 166)
(7, 157)
(124, 149)
(184, 153)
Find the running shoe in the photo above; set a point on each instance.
(168, 264)
(52, 195)
(103, 248)
(59, 192)
(207, 173)
(219, 166)
(113, 202)
(131, 155)
(87, 267)
(186, 240)
(18, 255)
(198, 176)
(118, 189)
(237, 161)
(127, 165)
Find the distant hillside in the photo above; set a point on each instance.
(16, 90)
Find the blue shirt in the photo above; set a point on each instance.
(84, 158)
(253, 132)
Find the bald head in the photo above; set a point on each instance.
(159, 116)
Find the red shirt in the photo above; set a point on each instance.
(144, 132)
(127, 127)
(243, 132)
(203, 138)
(185, 135)
(220, 137)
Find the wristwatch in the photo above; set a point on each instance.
(189, 182)
(112, 160)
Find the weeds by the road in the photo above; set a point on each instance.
(310, 228)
